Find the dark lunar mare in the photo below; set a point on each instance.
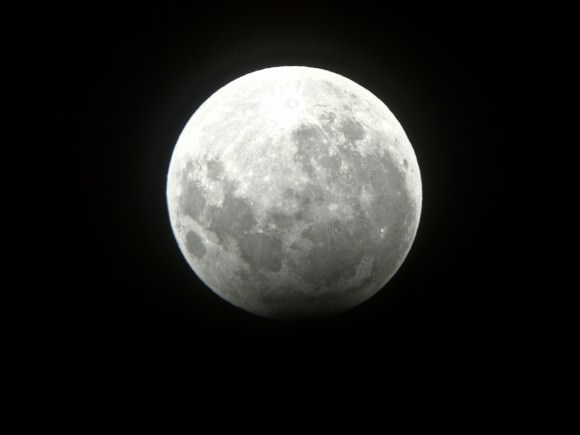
(329, 249)
(340, 245)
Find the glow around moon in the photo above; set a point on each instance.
(293, 191)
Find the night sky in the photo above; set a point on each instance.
(477, 92)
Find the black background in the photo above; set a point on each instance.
(480, 93)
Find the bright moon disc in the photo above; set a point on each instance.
(294, 192)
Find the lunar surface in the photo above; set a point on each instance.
(294, 192)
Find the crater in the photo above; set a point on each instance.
(195, 245)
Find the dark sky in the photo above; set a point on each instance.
(478, 93)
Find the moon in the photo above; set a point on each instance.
(294, 192)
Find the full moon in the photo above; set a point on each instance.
(294, 192)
